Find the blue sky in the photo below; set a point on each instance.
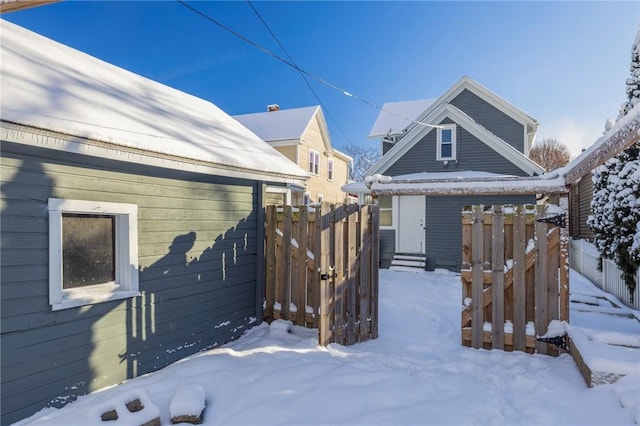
(564, 63)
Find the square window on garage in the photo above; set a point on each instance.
(93, 252)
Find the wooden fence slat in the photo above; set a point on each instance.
(340, 284)
(563, 202)
(364, 269)
(374, 268)
(285, 283)
(519, 285)
(351, 282)
(270, 262)
(477, 252)
(466, 265)
(497, 285)
(553, 265)
(313, 290)
(300, 284)
(541, 318)
(326, 299)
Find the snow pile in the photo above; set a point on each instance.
(415, 373)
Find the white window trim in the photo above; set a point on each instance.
(281, 190)
(439, 156)
(316, 162)
(330, 170)
(394, 214)
(126, 267)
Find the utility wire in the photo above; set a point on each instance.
(300, 70)
(301, 74)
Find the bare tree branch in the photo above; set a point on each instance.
(550, 153)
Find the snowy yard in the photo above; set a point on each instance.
(416, 373)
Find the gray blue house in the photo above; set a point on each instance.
(132, 223)
(467, 133)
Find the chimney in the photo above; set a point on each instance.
(273, 107)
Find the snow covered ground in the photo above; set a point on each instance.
(415, 373)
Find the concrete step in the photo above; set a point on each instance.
(414, 263)
(409, 257)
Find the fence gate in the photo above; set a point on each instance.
(514, 276)
(321, 270)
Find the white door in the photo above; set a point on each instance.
(411, 215)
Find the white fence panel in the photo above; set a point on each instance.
(615, 285)
(584, 258)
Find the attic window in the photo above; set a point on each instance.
(330, 169)
(446, 143)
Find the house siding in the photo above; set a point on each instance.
(198, 294)
(444, 225)
(491, 118)
(387, 247)
(320, 183)
(580, 197)
(472, 154)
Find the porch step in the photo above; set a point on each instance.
(408, 262)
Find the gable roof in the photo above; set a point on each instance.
(467, 83)
(436, 115)
(280, 125)
(287, 126)
(395, 116)
(51, 86)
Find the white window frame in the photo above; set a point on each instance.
(330, 169)
(126, 284)
(314, 162)
(394, 213)
(439, 156)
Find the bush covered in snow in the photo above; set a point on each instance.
(616, 198)
(633, 82)
(616, 212)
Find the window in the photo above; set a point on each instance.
(93, 252)
(446, 143)
(330, 169)
(314, 161)
(306, 199)
(385, 204)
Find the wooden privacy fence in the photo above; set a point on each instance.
(515, 276)
(321, 270)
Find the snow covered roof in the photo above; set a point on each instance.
(51, 86)
(395, 116)
(284, 124)
(456, 183)
(287, 126)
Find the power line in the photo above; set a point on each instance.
(300, 70)
(301, 74)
